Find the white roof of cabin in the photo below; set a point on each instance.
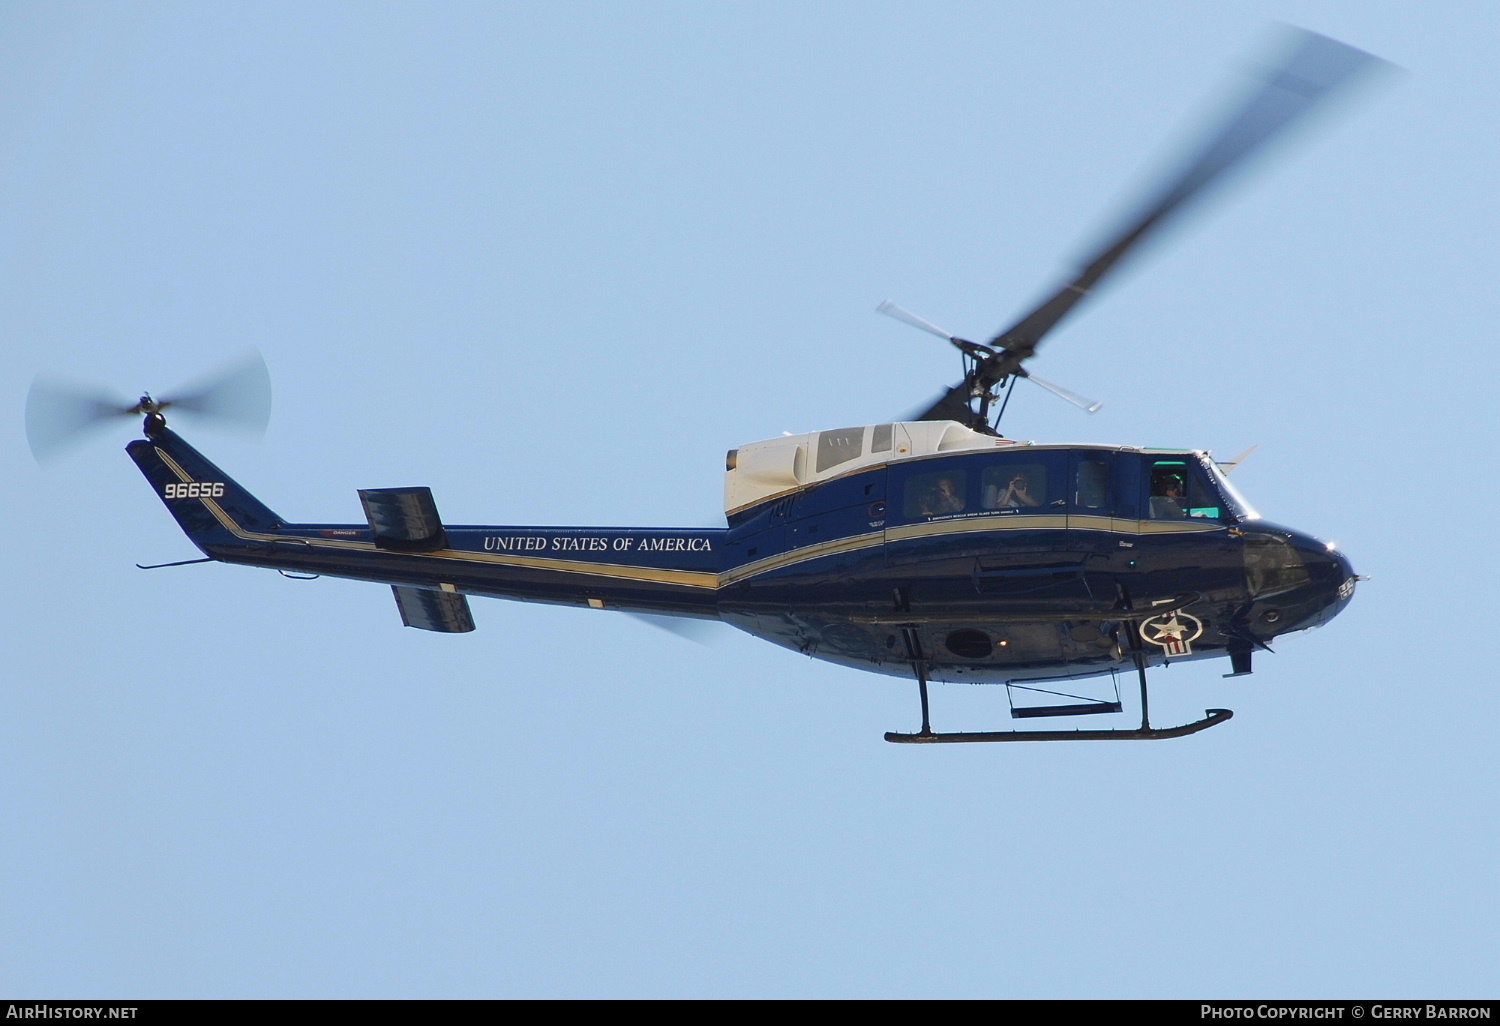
(777, 466)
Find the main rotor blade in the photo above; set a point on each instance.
(951, 405)
(1084, 403)
(58, 415)
(892, 310)
(1312, 69)
(239, 397)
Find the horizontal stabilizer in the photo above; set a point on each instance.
(404, 519)
(443, 611)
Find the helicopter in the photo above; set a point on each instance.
(930, 547)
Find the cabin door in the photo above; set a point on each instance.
(1102, 523)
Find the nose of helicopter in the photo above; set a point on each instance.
(1332, 574)
(1297, 581)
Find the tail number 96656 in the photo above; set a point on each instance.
(196, 490)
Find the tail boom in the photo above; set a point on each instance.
(673, 571)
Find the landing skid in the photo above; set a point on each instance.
(1212, 718)
(1145, 732)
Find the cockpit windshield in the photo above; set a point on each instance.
(1236, 502)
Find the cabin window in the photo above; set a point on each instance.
(880, 438)
(835, 447)
(1024, 481)
(1179, 491)
(936, 494)
(1091, 485)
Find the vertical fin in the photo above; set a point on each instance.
(202, 498)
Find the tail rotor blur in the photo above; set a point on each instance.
(61, 416)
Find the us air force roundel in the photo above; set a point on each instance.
(1174, 632)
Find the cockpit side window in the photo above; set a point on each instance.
(1169, 490)
(1180, 490)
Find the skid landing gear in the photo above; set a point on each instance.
(1145, 732)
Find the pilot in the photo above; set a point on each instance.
(1166, 498)
(1017, 493)
(944, 498)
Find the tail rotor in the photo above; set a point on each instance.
(60, 416)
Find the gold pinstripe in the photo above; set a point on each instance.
(854, 543)
(687, 578)
(1041, 522)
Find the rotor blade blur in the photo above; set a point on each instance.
(1311, 70)
(1084, 403)
(892, 310)
(1228, 466)
(239, 397)
(57, 416)
(951, 405)
(691, 628)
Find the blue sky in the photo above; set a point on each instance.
(552, 260)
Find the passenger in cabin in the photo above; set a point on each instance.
(1017, 493)
(944, 498)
